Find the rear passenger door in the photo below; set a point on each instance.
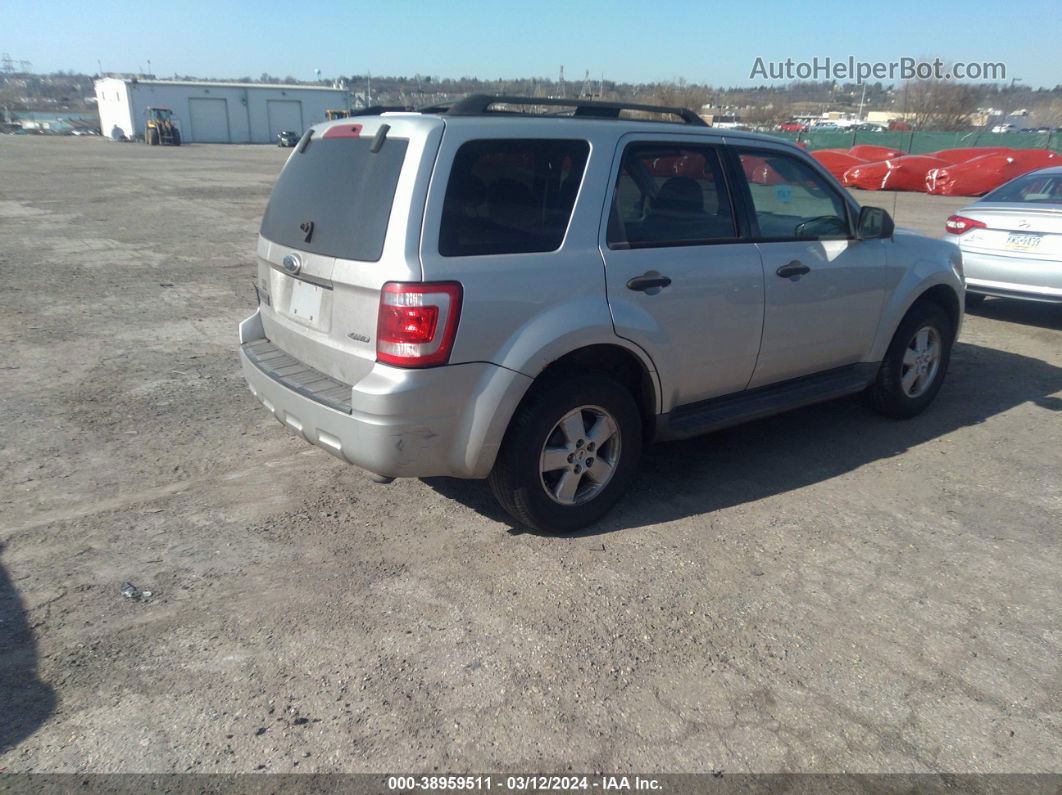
(824, 288)
(682, 283)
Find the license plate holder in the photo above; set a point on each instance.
(305, 301)
(1023, 241)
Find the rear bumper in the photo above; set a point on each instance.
(400, 423)
(1013, 277)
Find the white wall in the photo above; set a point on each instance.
(112, 101)
(124, 103)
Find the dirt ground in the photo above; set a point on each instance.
(826, 590)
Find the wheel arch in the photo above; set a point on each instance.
(939, 287)
(945, 297)
(614, 360)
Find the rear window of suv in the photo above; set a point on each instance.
(343, 189)
(509, 196)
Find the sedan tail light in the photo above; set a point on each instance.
(417, 323)
(960, 224)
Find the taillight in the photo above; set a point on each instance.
(417, 323)
(960, 224)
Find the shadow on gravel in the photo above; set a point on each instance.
(1011, 310)
(772, 456)
(25, 701)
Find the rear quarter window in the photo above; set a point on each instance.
(343, 189)
(511, 196)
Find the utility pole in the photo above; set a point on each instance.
(368, 90)
(587, 92)
(1013, 80)
(861, 101)
(560, 82)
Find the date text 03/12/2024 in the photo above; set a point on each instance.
(518, 783)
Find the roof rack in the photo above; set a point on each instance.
(376, 110)
(481, 104)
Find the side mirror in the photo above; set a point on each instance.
(874, 224)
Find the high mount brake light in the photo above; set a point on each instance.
(960, 224)
(417, 323)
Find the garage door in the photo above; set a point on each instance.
(210, 121)
(284, 114)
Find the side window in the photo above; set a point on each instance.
(510, 196)
(791, 200)
(669, 195)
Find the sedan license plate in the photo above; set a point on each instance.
(1021, 241)
(305, 301)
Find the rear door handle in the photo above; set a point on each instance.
(647, 281)
(794, 268)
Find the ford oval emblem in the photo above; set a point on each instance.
(292, 264)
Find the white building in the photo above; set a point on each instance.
(237, 113)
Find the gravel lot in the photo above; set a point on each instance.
(826, 590)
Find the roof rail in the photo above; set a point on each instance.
(480, 105)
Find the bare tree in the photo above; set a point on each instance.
(680, 95)
(767, 115)
(938, 104)
(1049, 114)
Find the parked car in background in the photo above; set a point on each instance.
(1011, 239)
(793, 126)
(287, 138)
(476, 292)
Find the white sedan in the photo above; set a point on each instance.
(1011, 239)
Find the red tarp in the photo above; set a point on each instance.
(867, 176)
(982, 174)
(872, 154)
(962, 155)
(759, 172)
(836, 161)
(897, 173)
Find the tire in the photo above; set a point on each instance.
(176, 137)
(896, 391)
(975, 299)
(152, 137)
(544, 498)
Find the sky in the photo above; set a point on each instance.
(701, 42)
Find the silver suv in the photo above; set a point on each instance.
(531, 290)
